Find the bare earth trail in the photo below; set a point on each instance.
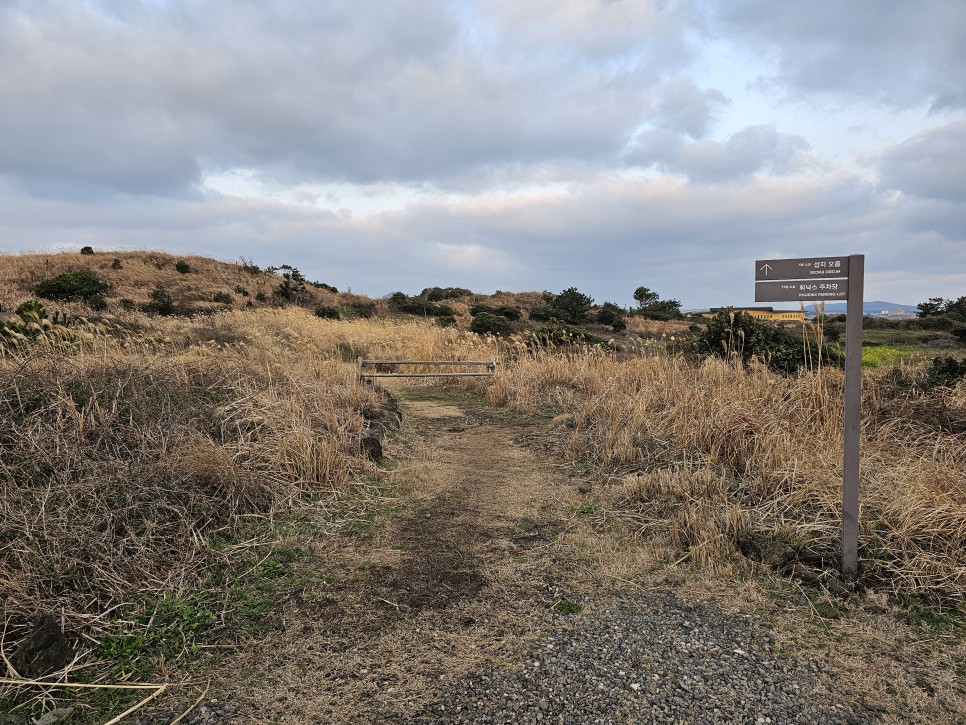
(482, 560)
(463, 571)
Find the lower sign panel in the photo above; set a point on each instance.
(808, 290)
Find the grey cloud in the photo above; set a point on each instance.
(930, 164)
(752, 150)
(138, 97)
(609, 236)
(890, 51)
(681, 106)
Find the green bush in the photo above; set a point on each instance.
(116, 264)
(241, 290)
(613, 315)
(82, 284)
(488, 323)
(161, 302)
(127, 304)
(435, 294)
(446, 321)
(223, 298)
(87, 250)
(326, 287)
(509, 312)
(571, 306)
(182, 267)
(327, 312)
(260, 297)
(542, 314)
(419, 305)
(361, 308)
(738, 334)
(945, 372)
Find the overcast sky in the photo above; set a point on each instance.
(495, 144)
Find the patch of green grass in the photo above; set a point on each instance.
(172, 627)
(586, 508)
(565, 607)
(882, 356)
(933, 617)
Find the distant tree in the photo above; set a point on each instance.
(87, 250)
(934, 307)
(645, 297)
(572, 305)
(651, 306)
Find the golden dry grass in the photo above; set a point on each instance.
(128, 451)
(713, 449)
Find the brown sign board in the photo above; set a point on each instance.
(805, 268)
(805, 291)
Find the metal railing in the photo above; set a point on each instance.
(488, 365)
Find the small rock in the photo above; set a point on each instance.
(371, 447)
(44, 651)
(54, 716)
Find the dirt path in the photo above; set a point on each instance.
(482, 545)
(461, 569)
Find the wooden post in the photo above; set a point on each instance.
(852, 417)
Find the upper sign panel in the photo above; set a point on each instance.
(806, 268)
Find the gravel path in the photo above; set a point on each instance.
(649, 659)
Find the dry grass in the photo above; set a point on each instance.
(128, 454)
(706, 451)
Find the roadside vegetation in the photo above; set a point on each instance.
(163, 422)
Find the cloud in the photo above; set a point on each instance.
(146, 98)
(752, 150)
(891, 52)
(928, 165)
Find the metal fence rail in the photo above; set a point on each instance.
(488, 365)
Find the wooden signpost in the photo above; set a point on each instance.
(830, 278)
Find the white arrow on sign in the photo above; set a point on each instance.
(766, 268)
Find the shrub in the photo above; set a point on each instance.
(542, 314)
(488, 323)
(82, 284)
(945, 372)
(161, 302)
(182, 267)
(400, 302)
(116, 264)
(222, 297)
(326, 287)
(98, 304)
(446, 321)
(260, 297)
(572, 306)
(87, 250)
(249, 266)
(477, 309)
(738, 334)
(127, 304)
(509, 312)
(435, 294)
(327, 312)
(613, 315)
(361, 308)
(241, 290)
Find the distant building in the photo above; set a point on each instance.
(762, 313)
